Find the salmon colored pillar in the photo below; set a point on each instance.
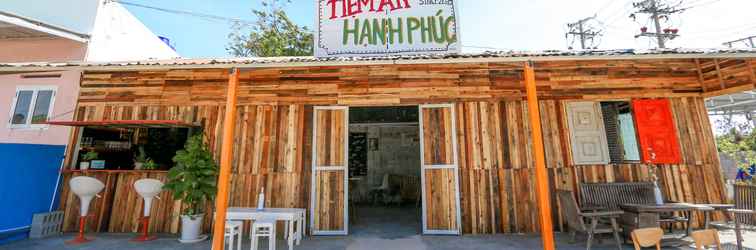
(221, 200)
(542, 181)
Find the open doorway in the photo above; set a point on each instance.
(429, 134)
(384, 171)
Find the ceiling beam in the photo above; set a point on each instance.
(719, 74)
(700, 75)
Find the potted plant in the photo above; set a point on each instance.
(140, 158)
(89, 156)
(193, 181)
(150, 164)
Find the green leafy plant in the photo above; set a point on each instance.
(91, 155)
(141, 156)
(272, 34)
(740, 146)
(149, 164)
(194, 176)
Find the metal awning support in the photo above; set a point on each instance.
(227, 157)
(542, 181)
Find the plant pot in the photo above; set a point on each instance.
(84, 165)
(138, 165)
(191, 227)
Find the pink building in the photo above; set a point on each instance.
(32, 151)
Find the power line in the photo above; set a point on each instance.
(727, 29)
(187, 13)
(693, 5)
(483, 47)
(624, 11)
(723, 32)
(608, 3)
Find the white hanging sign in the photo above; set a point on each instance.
(386, 27)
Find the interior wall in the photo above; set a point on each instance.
(398, 153)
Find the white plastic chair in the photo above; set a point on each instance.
(233, 232)
(86, 188)
(381, 191)
(263, 228)
(147, 189)
(385, 183)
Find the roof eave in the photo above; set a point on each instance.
(252, 65)
(43, 27)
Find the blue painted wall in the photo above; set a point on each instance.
(28, 174)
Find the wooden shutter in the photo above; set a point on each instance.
(587, 134)
(657, 135)
(609, 112)
(439, 177)
(329, 171)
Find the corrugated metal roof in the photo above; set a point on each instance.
(503, 56)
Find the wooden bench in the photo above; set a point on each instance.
(611, 195)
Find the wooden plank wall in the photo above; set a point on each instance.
(395, 84)
(495, 163)
(272, 152)
(119, 208)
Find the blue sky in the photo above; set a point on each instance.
(197, 37)
(502, 24)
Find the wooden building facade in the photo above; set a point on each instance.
(477, 160)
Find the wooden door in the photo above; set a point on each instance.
(587, 133)
(439, 175)
(329, 171)
(657, 135)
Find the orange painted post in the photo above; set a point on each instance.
(227, 156)
(542, 181)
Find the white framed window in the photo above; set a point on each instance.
(32, 106)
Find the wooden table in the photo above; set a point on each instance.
(647, 215)
(717, 207)
(289, 215)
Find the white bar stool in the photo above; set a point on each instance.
(147, 189)
(86, 188)
(263, 228)
(233, 232)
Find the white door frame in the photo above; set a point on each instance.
(316, 169)
(453, 166)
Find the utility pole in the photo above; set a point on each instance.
(657, 10)
(582, 30)
(748, 41)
